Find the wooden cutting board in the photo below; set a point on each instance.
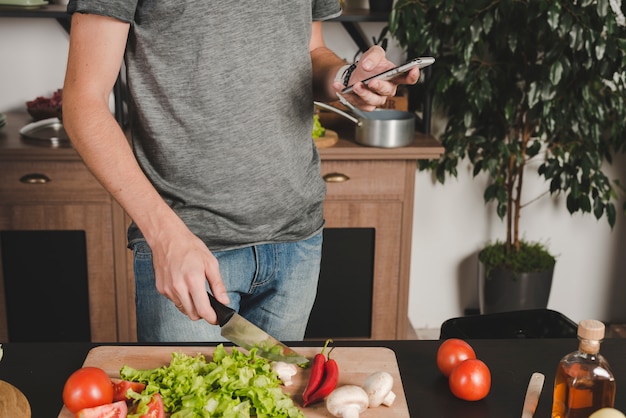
(329, 139)
(355, 364)
(13, 403)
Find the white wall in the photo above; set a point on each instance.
(33, 53)
(451, 222)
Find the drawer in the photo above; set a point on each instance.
(365, 180)
(47, 181)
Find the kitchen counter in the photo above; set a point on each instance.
(424, 146)
(39, 370)
(13, 146)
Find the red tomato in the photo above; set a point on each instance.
(87, 387)
(470, 380)
(120, 387)
(155, 408)
(451, 352)
(110, 410)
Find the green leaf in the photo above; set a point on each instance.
(477, 30)
(576, 38)
(572, 203)
(600, 49)
(610, 214)
(491, 192)
(501, 210)
(506, 65)
(555, 184)
(598, 207)
(533, 149)
(584, 204)
(487, 22)
(603, 8)
(556, 71)
(553, 18)
(467, 119)
(533, 95)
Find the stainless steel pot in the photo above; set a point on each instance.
(381, 128)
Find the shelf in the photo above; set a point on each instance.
(362, 15)
(350, 18)
(50, 11)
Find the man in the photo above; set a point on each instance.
(222, 181)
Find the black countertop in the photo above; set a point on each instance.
(39, 370)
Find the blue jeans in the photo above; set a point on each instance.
(271, 285)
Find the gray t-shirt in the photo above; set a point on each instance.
(221, 112)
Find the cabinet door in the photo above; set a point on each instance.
(386, 219)
(96, 222)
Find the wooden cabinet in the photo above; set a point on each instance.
(46, 188)
(374, 188)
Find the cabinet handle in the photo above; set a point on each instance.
(335, 178)
(35, 178)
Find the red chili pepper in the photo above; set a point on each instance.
(329, 382)
(331, 377)
(317, 373)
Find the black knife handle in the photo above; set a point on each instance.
(224, 313)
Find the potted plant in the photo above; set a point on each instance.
(518, 81)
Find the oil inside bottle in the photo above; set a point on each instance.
(584, 382)
(582, 390)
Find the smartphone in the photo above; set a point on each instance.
(419, 62)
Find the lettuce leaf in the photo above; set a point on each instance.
(235, 385)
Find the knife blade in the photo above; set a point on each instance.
(535, 385)
(245, 334)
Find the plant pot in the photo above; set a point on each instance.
(381, 5)
(505, 291)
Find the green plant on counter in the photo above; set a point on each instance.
(318, 129)
(522, 80)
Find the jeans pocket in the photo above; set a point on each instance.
(140, 249)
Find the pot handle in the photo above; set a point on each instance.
(338, 111)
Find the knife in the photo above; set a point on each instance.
(532, 394)
(245, 334)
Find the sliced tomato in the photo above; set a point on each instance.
(155, 408)
(121, 387)
(111, 410)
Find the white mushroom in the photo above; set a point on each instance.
(285, 371)
(347, 401)
(607, 413)
(378, 388)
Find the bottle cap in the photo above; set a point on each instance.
(591, 329)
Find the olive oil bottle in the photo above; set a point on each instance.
(584, 382)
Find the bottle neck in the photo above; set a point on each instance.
(589, 346)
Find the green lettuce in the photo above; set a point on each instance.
(235, 385)
(318, 129)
